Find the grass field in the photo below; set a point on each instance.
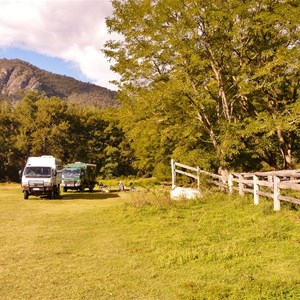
(141, 245)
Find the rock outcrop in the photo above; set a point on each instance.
(17, 77)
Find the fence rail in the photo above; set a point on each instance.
(279, 185)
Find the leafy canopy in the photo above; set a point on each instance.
(225, 72)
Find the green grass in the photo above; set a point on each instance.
(142, 183)
(141, 245)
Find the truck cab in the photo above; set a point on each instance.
(42, 175)
(79, 176)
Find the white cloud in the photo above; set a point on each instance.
(73, 30)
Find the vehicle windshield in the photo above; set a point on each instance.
(37, 172)
(69, 173)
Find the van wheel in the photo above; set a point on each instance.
(26, 195)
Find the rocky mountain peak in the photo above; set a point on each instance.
(17, 77)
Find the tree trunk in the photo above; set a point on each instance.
(286, 150)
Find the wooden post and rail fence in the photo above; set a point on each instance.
(277, 185)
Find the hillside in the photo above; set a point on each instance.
(17, 76)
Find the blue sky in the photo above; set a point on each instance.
(51, 64)
(60, 36)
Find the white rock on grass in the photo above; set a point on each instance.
(185, 193)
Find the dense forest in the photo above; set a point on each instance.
(208, 83)
(39, 125)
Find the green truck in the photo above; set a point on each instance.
(79, 176)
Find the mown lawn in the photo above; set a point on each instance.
(141, 245)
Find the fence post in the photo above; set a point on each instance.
(270, 180)
(255, 190)
(173, 174)
(276, 193)
(241, 185)
(230, 183)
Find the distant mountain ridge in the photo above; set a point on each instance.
(17, 77)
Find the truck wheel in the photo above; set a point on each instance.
(57, 191)
(51, 194)
(26, 195)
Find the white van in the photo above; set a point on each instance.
(42, 176)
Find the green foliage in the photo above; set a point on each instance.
(8, 151)
(39, 125)
(207, 81)
(162, 171)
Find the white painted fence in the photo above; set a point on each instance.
(181, 192)
(195, 174)
(267, 184)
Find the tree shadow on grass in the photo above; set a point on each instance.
(95, 195)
